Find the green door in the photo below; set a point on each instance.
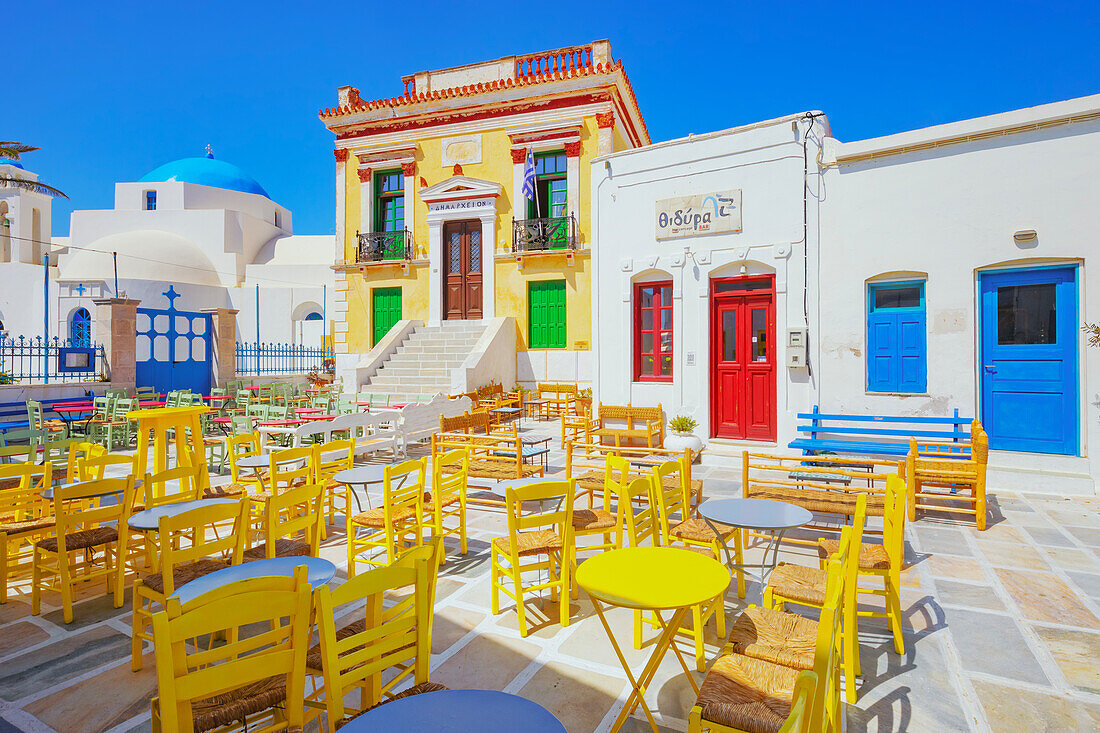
(386, 311)
(546, 314)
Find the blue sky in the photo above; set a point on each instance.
(111, 90)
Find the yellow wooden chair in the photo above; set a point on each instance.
(670, 491)
(94, 468)
(447, 499)
(643, 525)
(392, 638)
(749, 694)
(333, 457)
(805, 586)
(884, 561)
(78, 452)
(286, 469)
(605, 521)
(242, 480)
(25, 518)
(253, 683)
(186, 552)
(546, 533)
(70, 558)
(185, 479)
(292, 524)
(395, 526)
(958, 467)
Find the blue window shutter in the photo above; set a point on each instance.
(913, 362)
(882, 353)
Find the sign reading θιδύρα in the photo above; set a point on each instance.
(685, 216)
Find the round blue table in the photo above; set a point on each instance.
(320, 572)
(765, 515)
(458, 711)
(149, 519)
(48, 492)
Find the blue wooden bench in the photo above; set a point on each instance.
(874, 435)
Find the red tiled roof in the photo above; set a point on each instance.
(482, 87)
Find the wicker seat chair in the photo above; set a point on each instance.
(79, 452)
(190, 547)
(245, 445)
(333, 457)
(958, 467)
(752, 688)
(52, 429)
(253, 682)
(25, 518)
(286, 469)
(532, 536)
(344, 660)
(395, 526)
(805, 586)
(606, 520)
(292, 524)
(84, 548)
(446, 501)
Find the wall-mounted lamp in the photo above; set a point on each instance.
(1025, 235)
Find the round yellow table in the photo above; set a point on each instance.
(651, 579)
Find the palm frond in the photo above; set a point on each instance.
(11, 149)
(33, 186)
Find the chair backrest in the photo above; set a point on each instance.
(802, 704)
(145, 393)
(450, 472)
(642, 524)
(57, 453)
(19, 491)
(258, 410)
(558, 518)
(78, 507)
(35, 417)
(468, 422)
(291, 466)
(893, 520)
(95, 468)
(101, 407)
(186, 672)
(672, 495)
(335, 456)
(22, 436)
(241, 424)
(616, 474)
(187, 479)
(219, 529)
(17, 453)
(379, 400)
(409, 495)
(241, 446)
(825, 712)
(294, 513)
(398, 635)
(77, 453)
(122, 406)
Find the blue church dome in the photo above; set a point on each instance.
(205, 172)
(9, 161)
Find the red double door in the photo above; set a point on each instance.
(742, 317)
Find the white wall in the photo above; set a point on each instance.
(765, 161)
(949, 212)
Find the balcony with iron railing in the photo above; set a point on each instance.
(544, 235)
(384, 246)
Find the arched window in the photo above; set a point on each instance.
(80, 328)
(314, 316)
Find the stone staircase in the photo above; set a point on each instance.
(423, 363)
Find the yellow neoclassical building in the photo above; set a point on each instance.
(433, 224)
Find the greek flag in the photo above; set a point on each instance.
(529, 176)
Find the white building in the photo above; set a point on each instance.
(947, 269)
(984, 232)
(703, 241)
(24, 243)
(212, 232)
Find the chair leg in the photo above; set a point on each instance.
(520, 610)
(850, 655)
(720, 615)
(768, 601)
(138, 628)
(3, 568)
(36, 579)
(494, 581)
(697, 633)
(66, 589)
(893, 611)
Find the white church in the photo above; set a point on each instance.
(200, 224)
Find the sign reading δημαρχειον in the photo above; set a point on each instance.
(686, 216)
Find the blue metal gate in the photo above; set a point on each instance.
(173, 348)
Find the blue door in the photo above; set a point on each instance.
(174, 348)
(1029, 360)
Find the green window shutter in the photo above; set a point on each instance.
(386, 311)
(546, 314)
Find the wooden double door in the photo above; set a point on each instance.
(462, 269)
(743, 358)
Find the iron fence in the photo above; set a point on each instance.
(260, 358)
(37, 359)
(382, 246)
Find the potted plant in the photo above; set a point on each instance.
(682, 435)
(583, 400)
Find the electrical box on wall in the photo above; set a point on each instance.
(796, 348)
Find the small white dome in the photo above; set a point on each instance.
(146, 254)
